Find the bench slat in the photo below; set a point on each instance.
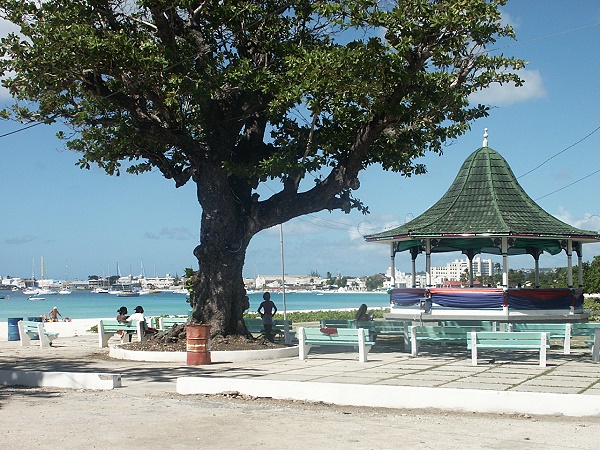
(355, 337)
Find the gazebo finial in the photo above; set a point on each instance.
(485, 136)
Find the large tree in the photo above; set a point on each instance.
(229, 94)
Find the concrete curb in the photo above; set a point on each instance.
(73, 380)
(216, 356)
(470, 400)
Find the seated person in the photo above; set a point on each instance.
(122, 316)
(139, 315)
(361, 314)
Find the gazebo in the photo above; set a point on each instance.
(485, 210)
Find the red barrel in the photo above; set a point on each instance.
(198, 344)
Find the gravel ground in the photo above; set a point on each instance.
(135, 418)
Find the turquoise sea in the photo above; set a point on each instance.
(86, 305)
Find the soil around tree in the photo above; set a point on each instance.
(175, 340)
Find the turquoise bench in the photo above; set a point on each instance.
(595, 343)
(29, 331)
(383, 327)
(352, 337)
(584, 329)
(387, 328)
(477, 325)
(507, 340)
(553, 330)
(337, 323)
(592, 331)
(280, 328)
(166, 323)
(108, 328)
(419, 334)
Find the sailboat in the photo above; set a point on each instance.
(148, 290)
(31, 290)
(43, 290)
(37, 292)
(64, 290)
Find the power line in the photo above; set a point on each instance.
(541, 38)
(568, 185)
(562, 151)
(21, 129)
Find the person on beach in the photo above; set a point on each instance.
(53, 315)
(361, 314)
(268, 311)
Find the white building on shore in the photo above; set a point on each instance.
(453, 270)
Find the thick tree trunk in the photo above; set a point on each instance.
(219, 297)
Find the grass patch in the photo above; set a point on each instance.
(316, 316)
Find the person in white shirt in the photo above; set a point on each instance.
(139, 315)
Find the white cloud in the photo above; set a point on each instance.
(507, 94)
(26, 239)
(589, 221)
(175, 233)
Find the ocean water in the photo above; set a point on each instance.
(85, 305)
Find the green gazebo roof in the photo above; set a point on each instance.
(485, 202)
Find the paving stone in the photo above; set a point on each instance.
(557, 381)
(593, 391)
(292, 377)
(430, 376)
(467, 384)
(408, 382)
(340, 379)
(548, 389)
(491, 378)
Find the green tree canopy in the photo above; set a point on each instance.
(231, 94)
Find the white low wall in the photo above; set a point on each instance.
(399, 396)
(74, 380)
(215, 356)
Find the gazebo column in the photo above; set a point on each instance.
(579, 250)
(428, 261)
(393, 263)
(414, 252)
(470, 255)
(505, 262)
(536, 258)
(570, 263)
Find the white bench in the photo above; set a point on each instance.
(29, 330)
(108, 328)
(554, 331)
(523, 340)
(354, 337)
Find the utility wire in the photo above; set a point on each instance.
(568, 185)
(556, 154)
(21, 129)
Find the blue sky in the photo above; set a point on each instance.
(84, 222)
